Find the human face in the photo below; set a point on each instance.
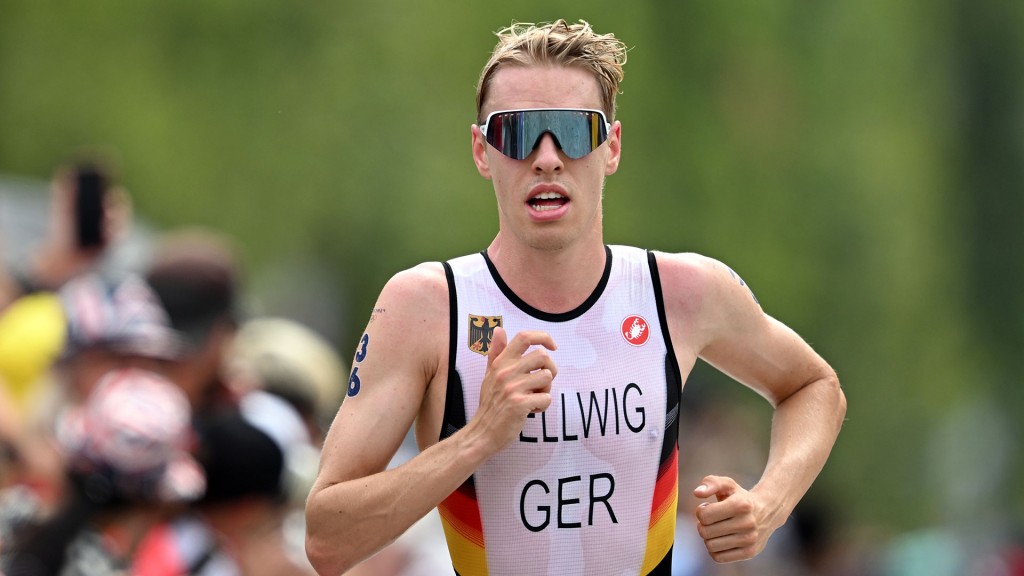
(547, 201)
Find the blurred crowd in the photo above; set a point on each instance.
(150, 425)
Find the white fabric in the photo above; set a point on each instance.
(545, 504)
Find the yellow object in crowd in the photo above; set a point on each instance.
(32, 334)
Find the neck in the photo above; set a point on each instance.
(554, 281)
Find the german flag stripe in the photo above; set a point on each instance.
(463, 529)
(661, 533)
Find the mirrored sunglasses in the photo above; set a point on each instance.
(516, 133)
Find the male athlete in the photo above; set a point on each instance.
(543, 374)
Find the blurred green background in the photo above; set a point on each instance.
(861, 164)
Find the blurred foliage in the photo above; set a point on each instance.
(859, 163)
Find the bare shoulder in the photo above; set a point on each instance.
(696, 281)
(702, 295)
(414, 302)
(687, 268)
(411, 319)
(422, 289)
(420, 284)
(694, 270)
(727, 327)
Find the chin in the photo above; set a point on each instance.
(548, 246)
(548, 242)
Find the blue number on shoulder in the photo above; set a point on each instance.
(361, 353)
(353, 382)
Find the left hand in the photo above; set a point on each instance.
(734, 527)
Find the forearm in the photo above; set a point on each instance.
(349, 521)
(804, 429)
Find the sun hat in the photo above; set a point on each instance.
(131, 439)
(121, 314)
(286, 358)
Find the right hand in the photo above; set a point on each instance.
(515, 384)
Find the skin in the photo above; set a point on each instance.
(553, 259)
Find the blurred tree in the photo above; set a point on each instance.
(990, 160)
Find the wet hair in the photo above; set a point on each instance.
(558, 44)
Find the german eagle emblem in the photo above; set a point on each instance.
(481, 332)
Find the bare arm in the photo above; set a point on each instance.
(738, 338)
(356, 506)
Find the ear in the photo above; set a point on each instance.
(480, 152)
(614, 149)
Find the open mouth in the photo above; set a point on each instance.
(547, 201)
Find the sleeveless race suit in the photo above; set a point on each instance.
(590, 485)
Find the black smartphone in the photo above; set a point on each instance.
(90, 190)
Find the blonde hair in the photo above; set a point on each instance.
(562, 44)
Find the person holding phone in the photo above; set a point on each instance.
(543, 374)
(88, 212)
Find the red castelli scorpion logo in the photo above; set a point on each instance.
(634, 330)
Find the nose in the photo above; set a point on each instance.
(546, 156)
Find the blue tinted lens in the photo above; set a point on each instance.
(515, 133)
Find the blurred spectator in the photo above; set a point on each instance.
(257, 416)
(253, 444)
(88, 215)
(98, 325)
(126, 449)
(291, 361)
(197, 278)
(241, 524)
(255, 459)
(112, 323)
(288, 359)
(89, 212)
